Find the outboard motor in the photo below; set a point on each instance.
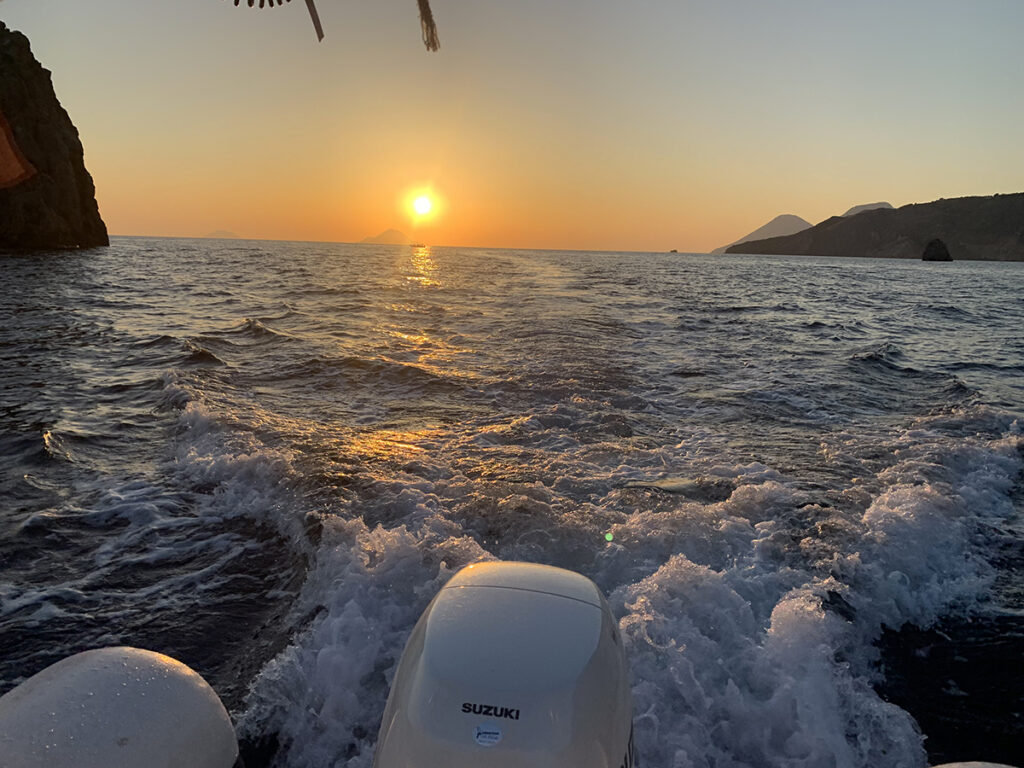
(512, 665)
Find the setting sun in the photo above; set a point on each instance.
(422, 205)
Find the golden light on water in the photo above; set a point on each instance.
(391, 443)
(424, 268)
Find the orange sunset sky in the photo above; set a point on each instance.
(590, 124)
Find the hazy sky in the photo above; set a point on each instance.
(625, 124)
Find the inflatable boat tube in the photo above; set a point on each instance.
(115, 708)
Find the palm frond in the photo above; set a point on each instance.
(430, 38)
(429, 28)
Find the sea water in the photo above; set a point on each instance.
(795, 479)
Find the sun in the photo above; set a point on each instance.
(422, 205)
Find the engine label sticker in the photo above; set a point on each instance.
(490, 710)
(487, 734)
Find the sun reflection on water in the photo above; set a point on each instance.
(391, 443)
(414, 339)
(424, 267)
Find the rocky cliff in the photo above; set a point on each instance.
(978, 228)
(47, 198)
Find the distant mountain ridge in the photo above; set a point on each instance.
(973, 228)
(785, 224)
(866, 207)
(789, 224)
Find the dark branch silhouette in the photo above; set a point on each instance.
(430, 38)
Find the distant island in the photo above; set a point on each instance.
(786, 224)
(972, 228)
(222, 234)
(388, 237)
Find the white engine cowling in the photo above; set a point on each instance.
(512, 665)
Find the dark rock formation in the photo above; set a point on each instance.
(936, 250)
(47, 198)
(974, 228)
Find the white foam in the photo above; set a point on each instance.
(323, 696)
(749, 621)
(715, 687)
(177, 519)
(718, 686)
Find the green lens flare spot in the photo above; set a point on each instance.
(608, 537)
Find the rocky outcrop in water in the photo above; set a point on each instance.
(974, 228)
(936, 250)
(47, 197)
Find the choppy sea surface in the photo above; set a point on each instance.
(265, 458)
